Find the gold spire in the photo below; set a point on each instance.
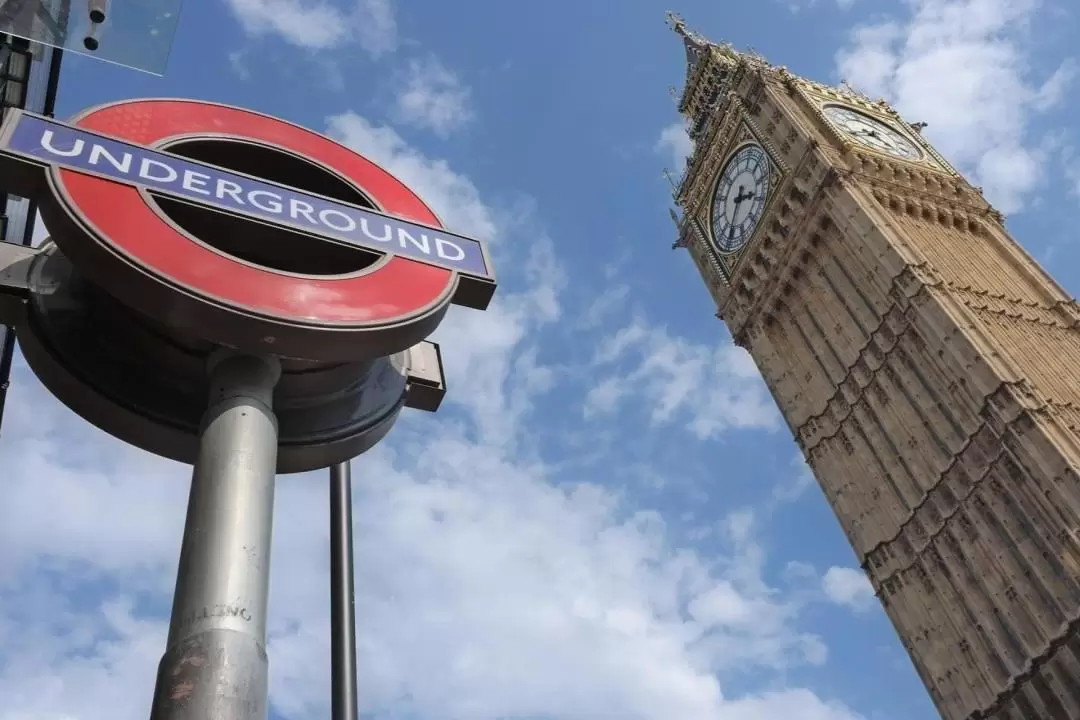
(695, 44)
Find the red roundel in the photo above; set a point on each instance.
(391, 293)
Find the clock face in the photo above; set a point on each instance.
(871, 133)
(739, 198)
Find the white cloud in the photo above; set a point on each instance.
(320, 24)
(973, 52)
(434, 98)
(677, 144)
(375, 26)
(484, 354)
(40, 231)
(453, 197)
(604, 396)
(792, 488)
(238, 63)
(799, 704)
(714, 387)
(1054, 88)
(72, 661)
(797, 6)
(849, 587)
(605, 305)
(796, 571)
(484, 588)
(1072, 171)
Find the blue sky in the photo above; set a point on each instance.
(607, 519)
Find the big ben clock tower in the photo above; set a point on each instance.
(927, 366)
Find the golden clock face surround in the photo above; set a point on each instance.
(871, 132)
(739, 197)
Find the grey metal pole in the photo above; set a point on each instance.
(342, 599)
(215, 663)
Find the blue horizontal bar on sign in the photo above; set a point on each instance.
(62, 145)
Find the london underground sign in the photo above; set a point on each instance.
(77, 149)
(235, 292)
(181, 226)
(99, 179)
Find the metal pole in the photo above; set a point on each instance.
(215, 663)
(342, 598)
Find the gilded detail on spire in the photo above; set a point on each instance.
(695, 44)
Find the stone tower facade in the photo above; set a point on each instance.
(927, 366)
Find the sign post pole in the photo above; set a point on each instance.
(342, 596)
(215, 663)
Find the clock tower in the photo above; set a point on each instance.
(926, 365)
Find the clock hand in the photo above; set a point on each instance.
(738, 201)
(873, 138)
(744, 194)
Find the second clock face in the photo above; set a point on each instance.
(739, 198)
(871, 132)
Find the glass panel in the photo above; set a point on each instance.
(37, 83)
(18, 65)
(135, 33)
(17, 210)
(13, 93)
